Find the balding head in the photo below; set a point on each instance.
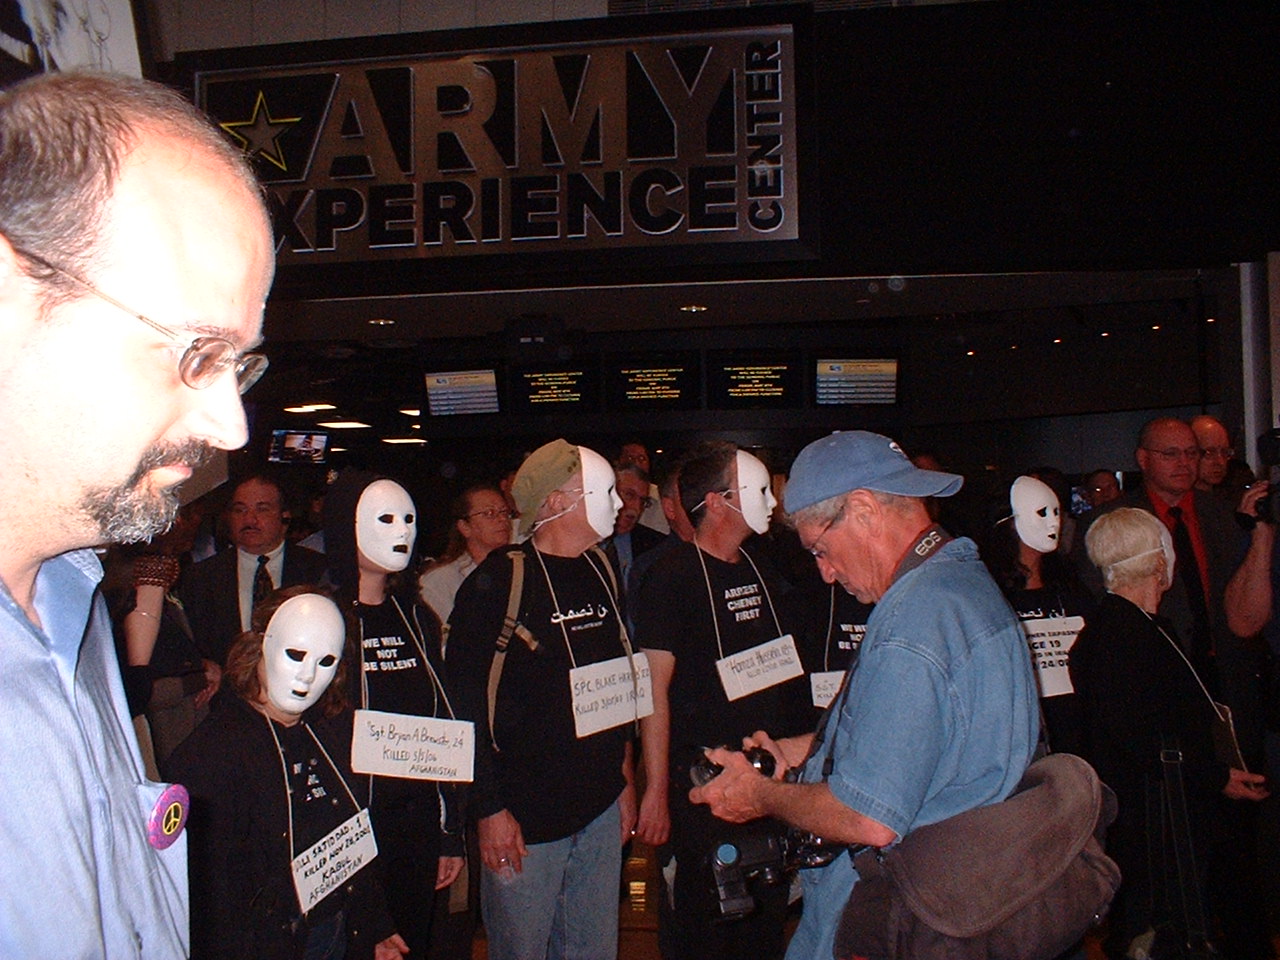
(1215, 451)
(1169, 457)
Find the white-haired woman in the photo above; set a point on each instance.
(1138, 691)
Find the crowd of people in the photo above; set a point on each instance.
(359, 746)
(549, 578)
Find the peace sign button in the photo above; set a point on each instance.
(168, 817)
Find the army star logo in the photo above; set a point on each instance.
(259, 135)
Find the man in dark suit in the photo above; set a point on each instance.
(630, 537)
(219, 594)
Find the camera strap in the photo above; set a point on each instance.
(927, 544)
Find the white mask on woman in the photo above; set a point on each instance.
(301, 650)
(386, 525)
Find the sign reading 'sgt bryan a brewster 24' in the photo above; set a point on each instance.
(615, 143)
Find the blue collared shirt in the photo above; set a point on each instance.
(941, 717)
(78, 877)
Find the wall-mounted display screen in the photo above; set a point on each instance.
(555, 389)
(738, 380)
(838, 382)
(653, 381)
(462, 391)
(298, 446)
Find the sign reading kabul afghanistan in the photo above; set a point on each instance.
(616, 143)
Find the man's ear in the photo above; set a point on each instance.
(862, 508)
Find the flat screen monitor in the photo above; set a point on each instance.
(841, 382)
(298, 446)
(754, 380)
(462, 391)
(653, 381)
(558, 388)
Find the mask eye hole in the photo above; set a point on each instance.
(328, 661)
(297, 656)
(386, 518)
(408, 518)
(1042, 512)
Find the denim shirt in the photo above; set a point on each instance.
(78, 878)
(940, 717)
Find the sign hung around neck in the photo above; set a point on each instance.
(592, 145)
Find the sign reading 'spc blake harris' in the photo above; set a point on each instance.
(688, 138)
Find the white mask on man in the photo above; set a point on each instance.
(602, 500)
(386, 525)
(1036, 514)
(301, 650)
(755, 492)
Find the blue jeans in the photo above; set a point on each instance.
(563, 905)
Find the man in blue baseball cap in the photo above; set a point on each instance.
(937, 716)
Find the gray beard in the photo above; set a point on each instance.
(131, 511)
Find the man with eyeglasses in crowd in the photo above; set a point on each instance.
(135, 259)
(940, 715)
(1208, 546)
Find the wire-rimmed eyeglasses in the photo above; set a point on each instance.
(203, 361)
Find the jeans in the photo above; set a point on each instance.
(563, 905)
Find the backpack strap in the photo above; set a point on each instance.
(510, 625)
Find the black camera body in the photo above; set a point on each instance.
(703, 770)
(1268, 508)
(766, 855)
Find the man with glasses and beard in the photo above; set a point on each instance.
(135, 258)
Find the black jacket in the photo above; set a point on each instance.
(243, 902)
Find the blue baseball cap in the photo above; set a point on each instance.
(860, 460)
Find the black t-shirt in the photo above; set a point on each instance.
(674, 611)
(394, 679)
(553, 783)
(829, 623)
(318, 798)
(1061, 713)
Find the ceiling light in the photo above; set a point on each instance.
(1208, 319)
(337, 449)
(1105, 334)
(411, 412)
(969, 353)
(1057, 339)
(310, 408)
(344, 425)
(1155, 326)
(403, 440)
(694, 308)
(381, 322)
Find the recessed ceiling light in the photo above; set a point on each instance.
(1155, 326)
(1105, 334)
(382, 322)
(403, 440)
(1208, 319)
(694, 308)
(411, 412)
(337, 449)
(969, 353)
(344, 425)
(310, 408)
(1057, 339)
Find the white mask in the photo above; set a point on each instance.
(386, 525)
(301, 650)
(1036, 514)
(603, 502)
(755, 492)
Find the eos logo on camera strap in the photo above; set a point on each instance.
(929, 543)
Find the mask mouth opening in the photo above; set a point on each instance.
(401, 548)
